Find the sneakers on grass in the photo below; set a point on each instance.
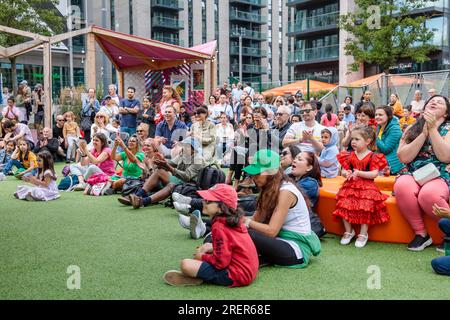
(185, 221)
(178, 279)
(197, 226)
(182, 208)
(178, 197)
(80, 187)
(419, 243)
(440, 248)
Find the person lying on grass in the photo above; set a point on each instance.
(231, 259)
(45, 188)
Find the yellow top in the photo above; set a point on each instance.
(406, 121)
(398, 109)
(70, 129)
(31, 159)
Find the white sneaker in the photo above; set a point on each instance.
(196, 225)
(347, 237)
(185, 221)
(178, 197)
(361, 240)
(182, 207)
(80, 187)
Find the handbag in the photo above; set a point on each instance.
(86, 123)
(426, 173)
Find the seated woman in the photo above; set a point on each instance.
(280, 228)
(142, 132)
(224, 137)
(307, 173)
(388, 137)
(425, 142)
(129, 158)
(287, 157)
(96, 160)
(204, 131)
(183, 168)
(101, 125)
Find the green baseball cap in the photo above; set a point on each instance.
(263, 160)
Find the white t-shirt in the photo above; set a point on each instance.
(296, 132)
(417, 106)
(111, 112)
(297, 219)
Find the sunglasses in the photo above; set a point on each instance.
(61, 120)
(100, 116)
(279, 114)
(305, 111)
(284, 153)
(139, 130)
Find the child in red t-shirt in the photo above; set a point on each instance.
(231, 260)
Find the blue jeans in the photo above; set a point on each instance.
(442, 264)
(128, 130)
(11, 163)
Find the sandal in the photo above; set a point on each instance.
(347, 237)
(361, 243)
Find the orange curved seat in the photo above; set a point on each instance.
(396, 230)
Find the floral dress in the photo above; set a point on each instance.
(359, 201)
(426, 155)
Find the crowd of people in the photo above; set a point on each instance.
(277, 151)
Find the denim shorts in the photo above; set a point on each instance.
(210, 274)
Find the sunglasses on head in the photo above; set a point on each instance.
(305, 111)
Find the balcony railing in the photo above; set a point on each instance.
(320, 21)
(246, 16)
(164, 22)
(318, 53)
(248, 34)
(170, 40)
(248, 68)
(168, 4)
(248, 51)
(256, 3)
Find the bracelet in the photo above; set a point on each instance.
(247, 222)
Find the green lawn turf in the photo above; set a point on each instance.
(123, 253)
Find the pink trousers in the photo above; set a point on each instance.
(413, 200)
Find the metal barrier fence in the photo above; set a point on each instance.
(403, 84)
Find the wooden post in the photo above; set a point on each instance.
(48, 84)
(90, 71)
(207, 79)
(213, 73)
(121, 83)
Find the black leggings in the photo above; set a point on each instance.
(273, 251)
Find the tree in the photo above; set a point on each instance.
(36, 16)
(382, 32)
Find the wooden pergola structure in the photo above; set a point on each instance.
(126, 52)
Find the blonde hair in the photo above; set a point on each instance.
(174, 92)
(101, 114)
(70, 114)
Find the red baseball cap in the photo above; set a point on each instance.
(221, 192)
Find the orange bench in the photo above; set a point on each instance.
(397, 230)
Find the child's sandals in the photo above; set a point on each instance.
(361, 240)
(347, 237)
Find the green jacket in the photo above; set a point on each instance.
(388, 145)
(309, 244)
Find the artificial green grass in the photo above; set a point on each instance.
(123, 253)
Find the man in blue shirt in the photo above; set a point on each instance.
(170, 131)
(128, 110)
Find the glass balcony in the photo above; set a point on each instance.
(168, 4)
(247, 16)
(315, 22)
(312, 54)
(248, 68)
(165, 22)
(255, 3)
(248, 51)
(295, 2)
(170, 40)
(247, 34)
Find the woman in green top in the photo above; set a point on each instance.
(130, 157)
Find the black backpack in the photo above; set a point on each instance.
(209, 177)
